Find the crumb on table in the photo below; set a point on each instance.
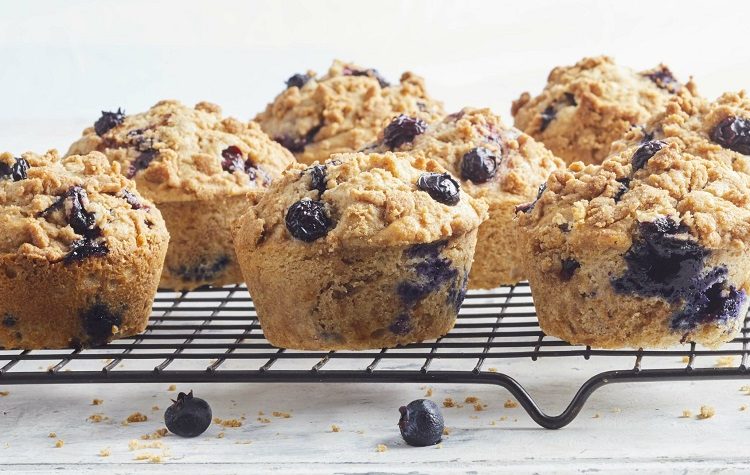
(686, 359)
(596, 416)
(381, 448)
(59, 443)
(97, 402)
(492, 370)
(105, 452)
(724, 362)
(158, 434)
(52, 435)
(135, 444)
(428, 393)
(706, 412)
(220, 435)
(510, 403)
(743, 407)
(283, 415)
(172, 387)
(449, 402)
(98, 418)
(4, 393)
(335, 428)
(478, 406)
(264, 420)
(154, 408)
(136, 417)
(686, 413)
(471, 399)
(228, 422)
(150, 458)
(446, 431)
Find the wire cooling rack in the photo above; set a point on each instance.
(213, 335)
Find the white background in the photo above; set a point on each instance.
(61, 62)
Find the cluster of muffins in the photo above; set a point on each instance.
(359, 213)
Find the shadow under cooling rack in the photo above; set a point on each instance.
(213, 335)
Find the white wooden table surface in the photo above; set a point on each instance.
(61, 62)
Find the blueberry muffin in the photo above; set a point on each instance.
(493, 162)
(80, 253)
(342, 111)
(585, 107)
(649, 248)
(197, 167)
(367, 250)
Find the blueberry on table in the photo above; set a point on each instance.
(733, 133)
(307, 220)
(403, 129)
(441, 187)
(478, 165)
(108, 121)
(188, 416)
(298, 80)
(421, 423)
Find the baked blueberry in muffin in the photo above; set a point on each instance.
(81, 252)
(658, 233)
(197, 167)
(369, 251)
(342, 111)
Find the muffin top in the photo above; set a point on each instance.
(492, 161)
(72, 209)
(718, 130)
(343, 110)
(678, 172)
(176, 153)
(362, 200)
(594, 94)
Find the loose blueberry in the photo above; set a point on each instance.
(548, 115)
(307, 220)
(142, 161)
(373, 73)
(108, 121)
(441, 187)
(403, 129)
(98, 322)
(478, 165)
(318, 178)
(188, 416)
(16, 172)
(421, 423)
(569, 267)
(733, 133)
(84, 248)
(401, 325)
(664, 79)
(645, 152)
(298, 80)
